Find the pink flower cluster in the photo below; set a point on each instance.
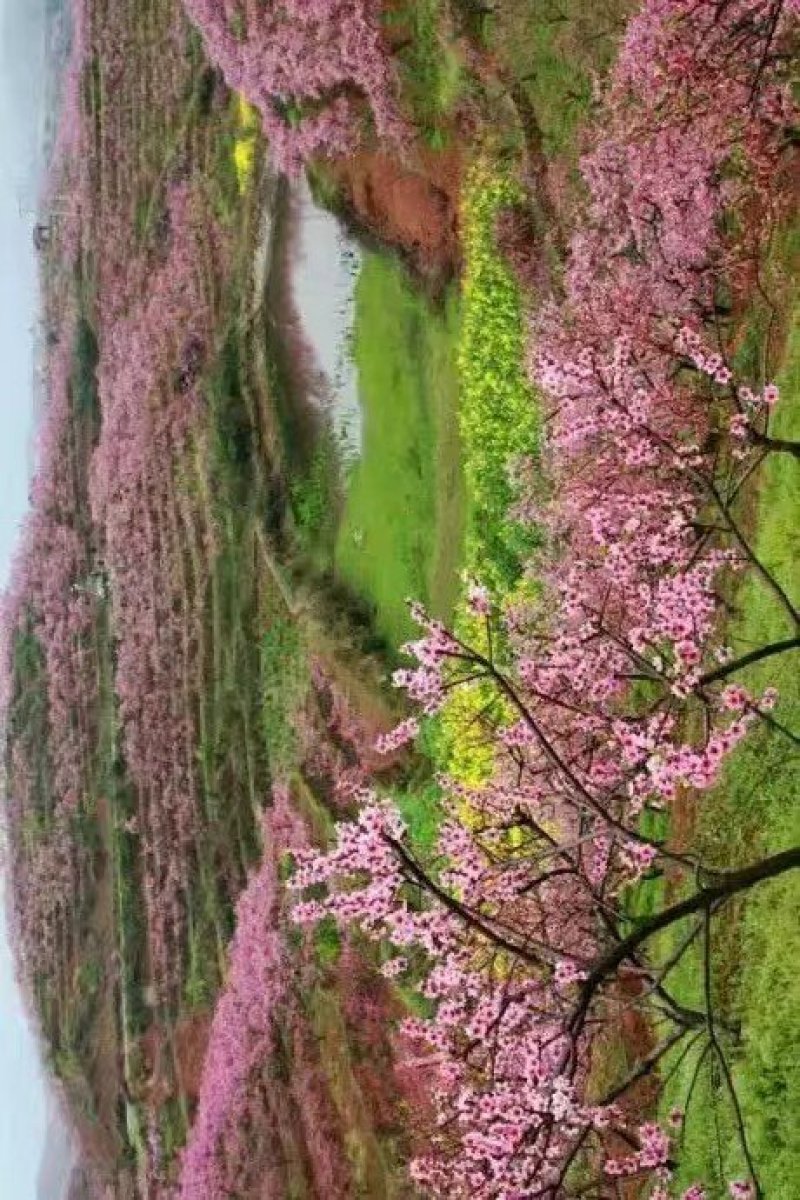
(400, 736)
(749, 407)
(425, 683)
(308, 66)
(652, 1154)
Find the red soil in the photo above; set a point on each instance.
(190, 1044)
(157, 1086)
(411, 204)
(172, 1062)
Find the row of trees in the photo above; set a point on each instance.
(120, 548)
(616, 688)
(153, 353)
(244, 1029)
(108, 521)
(50, 683)
(239, 1139)
(270, 1110)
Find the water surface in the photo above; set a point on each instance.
(323, 275)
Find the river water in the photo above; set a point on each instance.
(323, 272)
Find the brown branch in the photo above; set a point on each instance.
(645, 1067)
(747, 660)
(470, 918)
(721, 886)
(750, 554)
(584, 798)
(775, 445)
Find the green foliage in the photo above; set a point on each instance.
(553, 50)
(203, 975)
(67, 1066)
(248, 126)
(131, 933)
(326, 191)
(232, 755)
(284, 684)
(500, 426)
(327, 942)
(433, 78)
(420, 806)
(232, 444)
(401, 533)
(414, 1001)
(89, 976)
(174, 1127)
(498, 412)
(232, 168)
(314, 500)
(29, 720)
(85, 398)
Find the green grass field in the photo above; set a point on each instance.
(401, 533)
(755, 811)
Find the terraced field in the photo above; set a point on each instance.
(576, 367)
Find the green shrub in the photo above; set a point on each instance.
(284, 683)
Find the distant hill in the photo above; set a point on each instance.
(80, 1186)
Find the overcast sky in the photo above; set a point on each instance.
(23, 1118)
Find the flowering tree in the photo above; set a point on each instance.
(521, 915)
(308, 66)
(256, 1011)
(50, 684)
(242, 1034)
(149, 386)
(606, 680)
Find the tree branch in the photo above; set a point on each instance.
(747, 660)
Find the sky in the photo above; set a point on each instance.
(23, 1099)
